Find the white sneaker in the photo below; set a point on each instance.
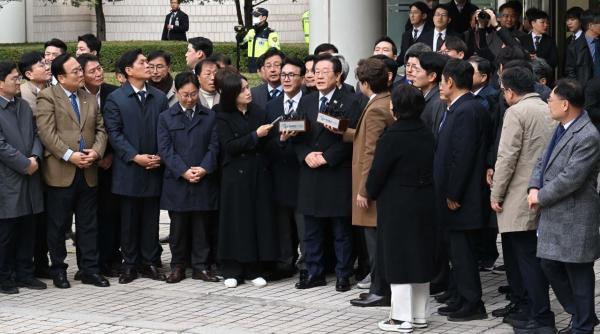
(365, 283)
(395, 326)
(258, 282)
(230, 282)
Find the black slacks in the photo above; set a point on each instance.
(81, 199)
(487, 250)
(378, 284)
(573, 285)
(518, 294)
(139, 231)
(522, 263)
(314, 243)
(192, 236)
(109, 223)
(17, 237)
(290, 226)
(40, 253)
(465, 269)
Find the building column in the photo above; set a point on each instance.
(351, 25)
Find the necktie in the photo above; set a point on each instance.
(536, 44)
(189, 113)
(560, 130)
(274, 94)
(597, 58)
(415, 34)
(440, 41)
(290, 106)
(443, 120)
(323, 105)
(73, 99)
(172, 22)
(142, 95)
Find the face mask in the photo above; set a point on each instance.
(255, 20)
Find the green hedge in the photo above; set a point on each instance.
(111, 51)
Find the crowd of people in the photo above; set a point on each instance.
(405, 194)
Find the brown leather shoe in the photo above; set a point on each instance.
(205, 275)
(176, 275)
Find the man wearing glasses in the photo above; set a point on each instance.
(272, 88)
(160, 77)
(435, 38)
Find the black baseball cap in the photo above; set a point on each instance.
(259, 11)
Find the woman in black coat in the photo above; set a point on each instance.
(247, 234)
(401, 182)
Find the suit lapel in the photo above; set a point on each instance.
(65, 106)
(369, 104)
(84, 109)
(566, 138)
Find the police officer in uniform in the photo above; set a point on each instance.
(259, 38)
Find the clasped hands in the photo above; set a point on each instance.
(148, 161)
(84, 159)
(194, 174)
(315, 159)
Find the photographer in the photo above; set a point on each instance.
(482, 39)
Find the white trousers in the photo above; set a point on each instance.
(410, 302)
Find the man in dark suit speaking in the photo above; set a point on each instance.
(176, 24)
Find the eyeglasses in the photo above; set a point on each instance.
(16, 79)
(318, 73)
(288, 76)
(156, 67)
(272, 65)
(440, 15)
(191, 95)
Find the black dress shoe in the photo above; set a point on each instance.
(364, 295)
(533, 327)
(504, 289)
(517, 318)
(205, 275)
(503, 311)
(95, 280)
(60, 281)
(9, 288)
(32, 283)
(311, 282)
(109, 271)
(371, 300)
(468, 313)
(303, 274)
(127, 276)
(449, 309)
(566, 330)
(444, 297)
(165, 239)
(342, 284)
(78, 275)
(152, 272)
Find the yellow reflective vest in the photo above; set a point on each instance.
(259, 43)
(306, 26)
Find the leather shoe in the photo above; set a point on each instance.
(32, 283)
(364, 295)
(503, 311)
(60, 281)
(152, 272)
(468, 313)
(109, 271)
(303, 274)
(311, 282)
(443, 298)
(176, 275)
(78, 275)
(9, 288)
(449, 309)
(566, 330)
(516, 318)
(504, 289)
(95, 280)
(342, 284)
(205, 275)
(371, 300)
(533, 327)
(127, 276)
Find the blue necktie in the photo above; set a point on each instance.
(323, 105)
(596, 65)
(560, 131)
(290, 106)
(142, 95)
(443, 120)
(73, 99)
(274, 94)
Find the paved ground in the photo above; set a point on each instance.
(147, 306)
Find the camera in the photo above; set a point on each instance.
(483, 16)
(238, 29)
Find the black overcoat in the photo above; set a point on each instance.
(401, 180)
(247, 232)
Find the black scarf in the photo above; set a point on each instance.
(164, 85)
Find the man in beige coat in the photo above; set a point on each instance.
(526, 130)
(373, 81)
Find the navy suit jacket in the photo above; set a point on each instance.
(260, 95)
(185, 143)
(547, 48)
(460, 164)
(132, 129)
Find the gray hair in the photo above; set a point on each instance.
(416, 50)
(345, 66)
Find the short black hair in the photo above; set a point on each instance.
(271, 52)
(126, 60)
(185, 78)
(514, 5)
(392, 65)
(541, 69)
(519, 80)
(408, 102)
(461, 73)
(526, 64)
(326, 47)
(160, 54)
(92, 42)
(387, 39)
(27, 61)
(441, 6)
(422, 6)
(374, 72)
(570, 90)
(508, 53)
(590, 16)
(6, 68)
(433, 62)
(483, 66)
(202, 44)
(260, 61)
(536, 14)
(200, 64)
(85, 58)
(295, 61)
(58, 64)
(221, 57)
(456, 44)
(574, 13)
(310, 58)
(57, 43)
(337, 64)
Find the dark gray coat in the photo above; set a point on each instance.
(20, 194)
(569, 217)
